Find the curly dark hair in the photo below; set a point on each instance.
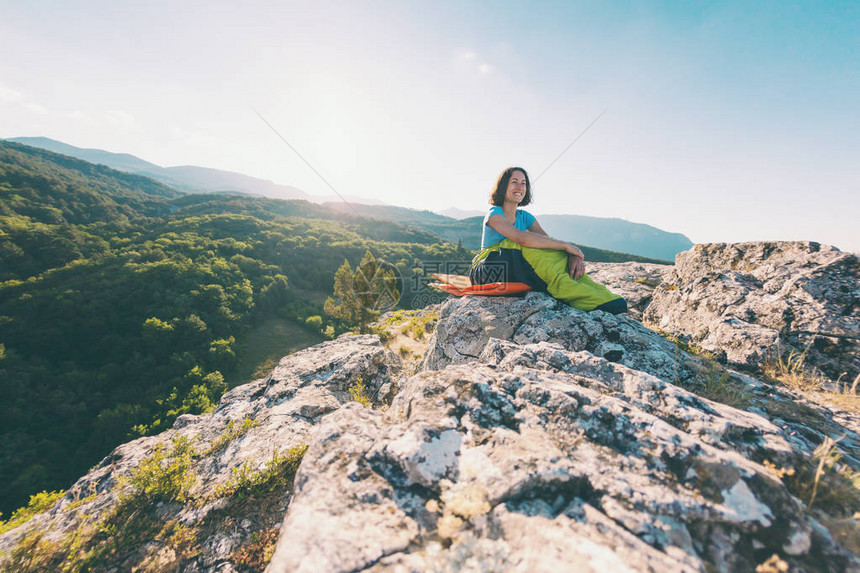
(497, 197)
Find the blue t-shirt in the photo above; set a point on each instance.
(492, 236)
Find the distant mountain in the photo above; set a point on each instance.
(616, 235)
(456, 213)
(119, 161)
(452, 224)
(468, 231)
(187, 177)
(403, 215)
(613, 234)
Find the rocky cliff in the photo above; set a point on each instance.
(749, 300)
(533, 437)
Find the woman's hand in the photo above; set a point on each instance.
(573, 250)
(576, 266)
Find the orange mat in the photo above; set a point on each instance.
(460, 285)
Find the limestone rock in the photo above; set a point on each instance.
(745, 299)
(465, 325)
(536, 437)
(468, 323)
(497, 465)
(539, 318)
(284, 408)
(632, 280)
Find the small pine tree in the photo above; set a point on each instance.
(362, 294)
(347, 307)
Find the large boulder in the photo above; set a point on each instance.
(466, 325)
(748, 300)
(633, 280)
(535, 458)
(252, 424)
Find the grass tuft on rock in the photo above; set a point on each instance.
(256, 554)
(791, 369)
(278, 473)
(231, 432)
(715, 383)
(163, 475)
(358, 393)
(826, 482)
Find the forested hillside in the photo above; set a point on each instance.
(124, 302)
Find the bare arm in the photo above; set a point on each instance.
(536, 228)
(535, 240)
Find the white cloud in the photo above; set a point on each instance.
(121, 119)
(469, 61)
(8, 95)
(14, 97)
(36, 108)
(194, 139)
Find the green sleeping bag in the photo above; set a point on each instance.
(551, 266)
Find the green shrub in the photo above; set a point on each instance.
(163, 475)
(277, 474)
(419, 324)
(358, 393)
(396, 318)
(381, 331)
(231, 432)
(38, 503)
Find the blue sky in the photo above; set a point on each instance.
(726, 121)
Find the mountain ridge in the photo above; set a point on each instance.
(610, 234)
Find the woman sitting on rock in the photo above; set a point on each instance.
(514, 248)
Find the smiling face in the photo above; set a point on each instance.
(517, 186)
(512, 187)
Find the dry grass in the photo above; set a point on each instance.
(826, 482)
(846, 402)
(256, 554)
(715, 383)
(791, 370)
